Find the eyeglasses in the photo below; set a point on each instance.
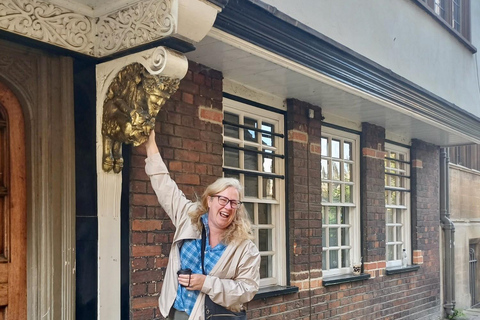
(223, 201)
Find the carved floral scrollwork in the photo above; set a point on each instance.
(132, 26)
(47, 23)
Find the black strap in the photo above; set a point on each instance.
(204, 244)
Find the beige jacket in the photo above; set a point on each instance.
(235, 278)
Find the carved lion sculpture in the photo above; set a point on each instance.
(133, 100)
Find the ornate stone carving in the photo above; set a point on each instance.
(48, 23)
(141, 23)
(133, 100)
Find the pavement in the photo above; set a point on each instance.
(471, 314)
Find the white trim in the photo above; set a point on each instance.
(406, 216)
(355, 250)
(278, 226)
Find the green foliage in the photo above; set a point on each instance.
(456, 314)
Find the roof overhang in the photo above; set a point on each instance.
(261, 48)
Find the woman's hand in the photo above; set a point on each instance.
(151, 145)
(192, 281)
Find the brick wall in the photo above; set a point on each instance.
(190, 138)
(372, 182)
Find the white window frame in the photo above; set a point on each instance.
(278, 225)
(405, 222)
(354, 207)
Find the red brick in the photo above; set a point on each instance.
(141, 251)
(144, 302)
(146, 225)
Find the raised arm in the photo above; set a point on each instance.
(170, 197)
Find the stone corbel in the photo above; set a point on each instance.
(133, 92)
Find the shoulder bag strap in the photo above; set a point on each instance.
(204, 244)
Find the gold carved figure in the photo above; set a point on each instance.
(133, 100)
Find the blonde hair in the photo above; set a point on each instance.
(240, 228)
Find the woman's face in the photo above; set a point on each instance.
(219, 216)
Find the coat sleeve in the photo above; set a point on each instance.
(170, 197)
(232, 293)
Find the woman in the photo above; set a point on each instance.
(231, 261)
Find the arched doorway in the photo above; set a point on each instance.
(13, 216)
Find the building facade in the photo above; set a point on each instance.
(334, 115)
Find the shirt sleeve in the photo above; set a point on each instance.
(170, 197)
(232, 293)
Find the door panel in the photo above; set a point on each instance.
(13, 294)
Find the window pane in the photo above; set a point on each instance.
(231, 156)
(347, 151)
(249, 207)
(264, 213)
(337, 192)
(333, 237)
(325, 174)
(399, 252)
(268, 163)
(265, 239)
(348, 194)
(393, 197)
(267, 139)
(325, 193)
(231, 131)
(324, 237)
(399, 234)
(390, 216)
(335, 149)
(390, 252)
(324, 142)
(332, 215)
(345, 258)
(324, 260)
(344, 216)
(251, 186)
(335, 170)
(232, 175)
(399, 216)
(250, 159)
(390, 234)
(266, 267)
(333, 259)
(250, 135)
(345, 236)
(347, 174)
(268, 188)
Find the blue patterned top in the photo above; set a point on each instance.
(190, 257)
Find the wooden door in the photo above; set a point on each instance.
(13, 231)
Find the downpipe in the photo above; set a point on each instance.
(449, 234)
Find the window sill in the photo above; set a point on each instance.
(397, 270)
(274, 291)
(344, 278)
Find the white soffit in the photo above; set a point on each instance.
(261, 70)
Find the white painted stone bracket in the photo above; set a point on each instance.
(158, 61)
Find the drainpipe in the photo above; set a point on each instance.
(449, 234)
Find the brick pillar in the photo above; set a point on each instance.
(304, 195)
(372, 177)
(425, 204)
(189, 136)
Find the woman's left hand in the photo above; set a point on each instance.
(192, 282)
